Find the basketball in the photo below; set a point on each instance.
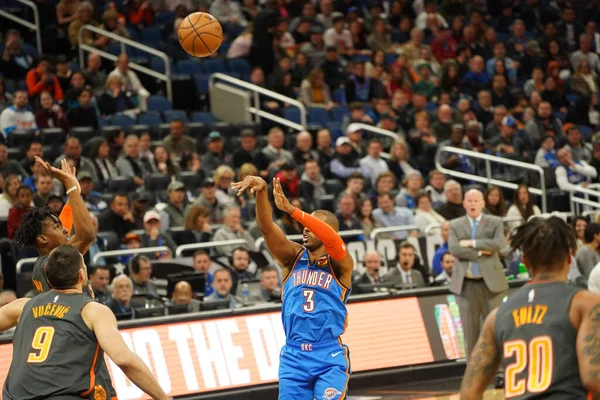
(200, 34)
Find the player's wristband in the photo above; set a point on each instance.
(71, 190)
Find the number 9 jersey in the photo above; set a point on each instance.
(538, 343)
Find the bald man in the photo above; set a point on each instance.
(478, 275)
(372, 264)
(182, 294)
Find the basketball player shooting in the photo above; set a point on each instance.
(546, 335)
(314, 364)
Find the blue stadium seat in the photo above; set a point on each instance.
(339, 112)
(164, 17)
(211, 66)
(335, 128)
(176, 114)
(292, 114)
(586, 132)
(150, 118)
(104, 121)
(240, 66)
(390, 58)
(560, 115)
(158, 65)
(74, 67)
(204, 117)
(151, 35)
(318, 115)
(122, 120)
(572, 98)
(134, 33)
(224, 48)
(431, 106)
(360, 58)
(201, 81)
(159, 103)
(339, 96)
(189, 67)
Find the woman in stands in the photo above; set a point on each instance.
(522, 206)
(198, 222)
(223, 177)
(494, 202)
(583, 82)
(450, 82)
(587, 256)
(413, 183)
(163, 163)
(100, 155)
(579, 225)
(114, 100)
(191, 163)
(314, 92)
(425, 215)
(300, 69)
(49, 114)
(377, 60)
(9, 195)
(364, 214)
(115, 140)
(399, 162)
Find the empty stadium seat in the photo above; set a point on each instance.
(170, 115)
(292, 114)
(335, 128)
(334, 186)
(150, 118)
(339, 96)
(226, 129)
(211, 66)
(52, 136)
(162, 131)
(111, 240)
(152, 35)
(21, 138)
(16, 153)
(239, 66)
(156, 182)
(122, 120)
(191, 180)
(326, 202)
(121, 184)
(189, 67)
(181, 236)
(139, 129)
(318, 115)
(198, 130)
(104, 121)
(85, 133)
(158, 65)
(159, 103)
(204, 117)
(201, 82)
(339, 112)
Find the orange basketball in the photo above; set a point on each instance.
(200, 34)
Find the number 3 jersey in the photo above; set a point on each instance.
(55, 354)
(537, 341)
(314, 302)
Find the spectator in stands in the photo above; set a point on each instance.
(84, 114)
(117, 217)
(372, 264)
(436, 262)
(522, 207)
(140, 13)
(63, 73)
(130, 164)
(312, 183)
(500, 55)
(325, 150)
(73, 153)
(372, 163)
(55, 203)
(508, 144)
(9, 194)
(114, 99)
(43, 190)
(339, 37)
(303, 151)
(41, 79)
(579, 149)
(162, 163)
(93, 200)
(49, 114)
(443, 125)
(587, 256)
(94, 74)
(140, 272)
(355, 184)
(355, 134)
(500, 94)
(269, 287)
(35, 149)
(447, 265)
(346, 160)
(209, 200)
(140, 203)
(554, 96)
(485, 113)
(544, 122)
(571, 175)
(129, 81)
(413, 184)
(380, 39)
(99, 276)
(104, 167)
(334, 70)
(453, 207)
(357, 115)
(585, 53)
(229, 14)
(583, 82)
(182, 294)
(579, 225)
(122, 292)
(345, 215)
(436, 188)
(177, 142)
(222, 283)
(494, 202)
(152, 237)
(404, 275)
(239, 263)
(290, 182)
(389, 215)
(24, 204)
(362, 88)
(412, 49)
(493, 128)
(314, 92)
(9, 167)
(301, 35)
(15, 63)
(425, 215)
(113, 22)
(85, 15)
(300, 69)
(216, 154)
(386, 182)
(399, 160)
(232, 229)
(248, 151)
(272, 157)
(364, 214)
(315, 49)
(173, 214)
(197, 221)
(201, 265)
(224, 176)
(17, 116)
(477, 78)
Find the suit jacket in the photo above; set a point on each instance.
(490, 236)
(395, 276)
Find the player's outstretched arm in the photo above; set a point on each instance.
(82, 221)
(284, 250)
(588, 341)
(102, 321)
(10, 314)
(483, 363)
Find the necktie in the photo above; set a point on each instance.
(474, 266)
(376, 280)
(407, 278)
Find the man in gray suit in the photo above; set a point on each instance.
(478, 275)
(404, 275)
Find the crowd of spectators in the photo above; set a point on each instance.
(509, 79)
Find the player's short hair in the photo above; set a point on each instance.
(545, 243)
(330, 219)
(31, 225)
(62, 267)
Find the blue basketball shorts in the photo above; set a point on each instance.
(310, 371)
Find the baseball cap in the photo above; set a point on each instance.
(84, 175)
(140, 196)
(131, 236)
(175, 185)
(150, 215)
(509, 121)
(352, 128)
(214, 136)
(208, 182)
(342, 141)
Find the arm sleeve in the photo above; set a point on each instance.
(66, 217)
(334, 245)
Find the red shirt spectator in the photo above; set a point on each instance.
(140, 13)
(290, 183)
(443, 46)
(24, 196)
(40, 78)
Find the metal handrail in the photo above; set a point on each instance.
(354, 232)
(24, 261)
(126, 252)
(35, 26)
(256, 90)
(127, 42)
(195, 246)
(488, 169)
(378, 231)
(374, 129)
(585, 201)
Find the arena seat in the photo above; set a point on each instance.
(189, 67)
(156, 182)
(52, 136)
(204, 117)
(240, 66)
(150, 118)
(318, 115)
(21, 138)
(211, 66)
(85, 133)
(292, 114)
(121, 184)
(122, 120)
(170, 115)
(159, 103)
(339, 112)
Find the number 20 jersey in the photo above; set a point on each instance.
(537, 341)
(314, 302)
(55, 354)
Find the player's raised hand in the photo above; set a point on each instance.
(281, 200)
(255, 183)
(66, 174)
